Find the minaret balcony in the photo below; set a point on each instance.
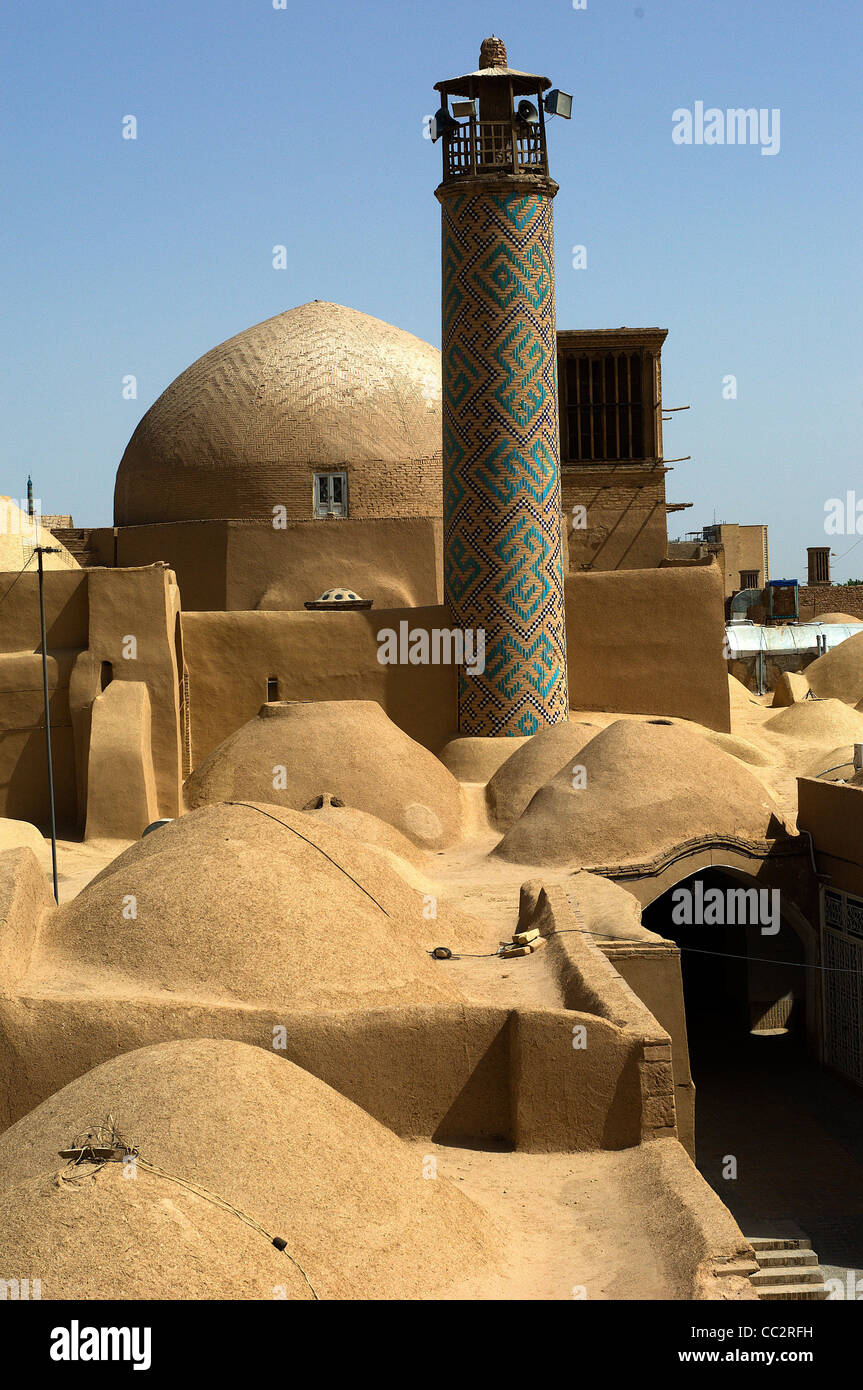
(494, 147)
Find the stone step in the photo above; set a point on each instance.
(779, 1243)
(771, 1258)
(743, 1269)
(765, 1278)
(788, 1267)
(802, 1292)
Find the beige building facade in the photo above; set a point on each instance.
(742, 553)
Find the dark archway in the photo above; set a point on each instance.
(778, 1138)
(743, 960)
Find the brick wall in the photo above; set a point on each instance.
(376, 488)
(626, 522)
(414, 488)
(831, 598)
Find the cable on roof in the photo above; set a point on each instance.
(4, 596)
(252, 807)
(105, 1145)
(639, 941)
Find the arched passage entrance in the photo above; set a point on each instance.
(778, 1138)
(744, 956)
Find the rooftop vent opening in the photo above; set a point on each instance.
(318, 803)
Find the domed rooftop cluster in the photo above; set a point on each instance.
(349, 748)
(837, 675)
(242, 430)
(632, 792)
(279, 909)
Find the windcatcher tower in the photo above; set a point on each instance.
(503, 562)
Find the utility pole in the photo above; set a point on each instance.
(40, 551)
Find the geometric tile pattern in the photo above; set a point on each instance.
(503, 566)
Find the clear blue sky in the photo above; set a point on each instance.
(303, 126)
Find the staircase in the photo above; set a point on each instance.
(787, 1268)
(77, 542)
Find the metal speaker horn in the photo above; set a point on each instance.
(440, 123)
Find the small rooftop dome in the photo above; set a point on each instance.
(339, 597)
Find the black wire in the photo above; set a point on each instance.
(837, 558)
(18, 576)
(696, 950)
(251, 807)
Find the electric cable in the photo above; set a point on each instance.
(251, 807)
(5, 595)
(94, 1147)
(639, 941)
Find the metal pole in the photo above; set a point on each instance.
(49, 550)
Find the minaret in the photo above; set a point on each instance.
(503, 562)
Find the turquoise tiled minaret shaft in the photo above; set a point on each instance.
(503, 562)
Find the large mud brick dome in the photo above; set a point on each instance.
(246, 427)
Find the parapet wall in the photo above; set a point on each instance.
(649, 642)
(590, 984)
(448, 1072)
(102, 625)
(639, 642)
(312, 656)
(588, 1075)
(246, 565)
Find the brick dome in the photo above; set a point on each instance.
(320, 387)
